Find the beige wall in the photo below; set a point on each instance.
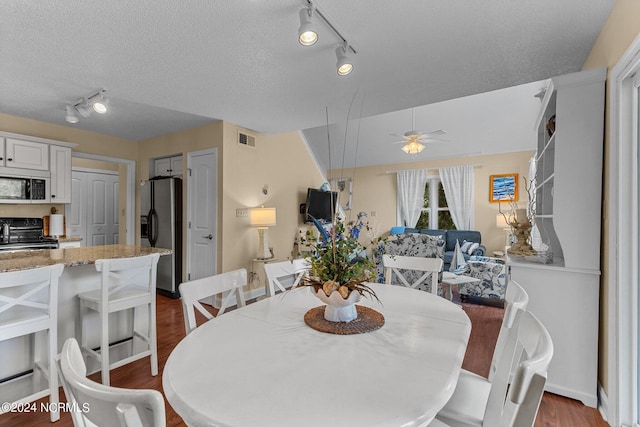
(374, 190)
(283, 163)
(181, 143)
(620, 30)
(280, 161)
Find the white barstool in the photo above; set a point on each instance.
(29, 305)
(126, 283)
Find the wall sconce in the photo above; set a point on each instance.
(263, 218)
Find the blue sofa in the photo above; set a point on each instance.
(450, 237)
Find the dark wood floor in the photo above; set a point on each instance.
(555, 411)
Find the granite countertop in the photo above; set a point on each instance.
(70, 257)
(69, 239)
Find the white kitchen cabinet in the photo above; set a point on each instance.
(60, 174)
(26, 154)
(564, 294)
(168, 166)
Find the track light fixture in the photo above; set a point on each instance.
(71, 115)
(308, 35)
(97, 102)
(344, 66)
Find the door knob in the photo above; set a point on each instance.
(210, 237)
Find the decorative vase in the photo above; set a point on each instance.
(338, 309)
(522, 245)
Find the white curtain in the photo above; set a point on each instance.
(457, 182)
(411, 185)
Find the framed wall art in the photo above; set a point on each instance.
(503, 188)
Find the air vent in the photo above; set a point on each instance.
(246, 139)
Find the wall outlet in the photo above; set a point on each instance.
(373, 214)
(242, 213)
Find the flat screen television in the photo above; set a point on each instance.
(321, 205)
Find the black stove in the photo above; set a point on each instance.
(23, 234)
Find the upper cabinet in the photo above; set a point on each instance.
(22, 155)
(60, 174)
(569, 168)
(25, 154)
(168, 166)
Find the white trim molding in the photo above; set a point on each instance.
(623, 241)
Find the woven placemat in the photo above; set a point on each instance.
(368, 320)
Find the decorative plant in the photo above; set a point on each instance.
(340, 262)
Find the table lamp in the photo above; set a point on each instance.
(263, 218)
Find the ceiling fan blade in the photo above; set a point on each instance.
(434, 140)
(434, 133)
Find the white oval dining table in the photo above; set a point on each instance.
(261, 365)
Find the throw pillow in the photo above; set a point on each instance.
(465, 246)
(472, 248)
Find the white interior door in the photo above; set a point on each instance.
(94, 207)
(201, 214)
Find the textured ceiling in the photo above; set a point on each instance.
(169, 65)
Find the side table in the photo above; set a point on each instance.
(452, 279)
(255, 272)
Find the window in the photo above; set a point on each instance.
(435, 212)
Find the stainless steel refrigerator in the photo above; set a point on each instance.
(161, 227)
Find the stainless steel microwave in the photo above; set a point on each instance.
(21, 189)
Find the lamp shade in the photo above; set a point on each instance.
(501, 221)
(262, 217)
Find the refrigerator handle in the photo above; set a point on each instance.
(152, 219)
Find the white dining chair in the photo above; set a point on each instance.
(126, 284)
(94, 404)
(29, 306)
(284, 274)
(224, 284)
(430, 267)
(516, 301)
(508, 402)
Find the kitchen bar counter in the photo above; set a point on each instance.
(79, 275)
(70, 257)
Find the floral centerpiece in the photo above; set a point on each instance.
(340, 268)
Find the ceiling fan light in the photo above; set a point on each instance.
(307, 34)
(344, 66)
(71, 115)
(413, 147)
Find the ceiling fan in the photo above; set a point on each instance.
(414, 140)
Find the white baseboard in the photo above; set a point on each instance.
(603, 403)
(588, 399)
